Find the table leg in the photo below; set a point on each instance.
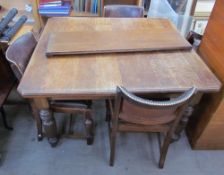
(37, 120)
(48, 120)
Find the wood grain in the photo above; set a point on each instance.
(97, 75)
(207, 133)
(85, 42)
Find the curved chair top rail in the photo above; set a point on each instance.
(183, 98)
(119, 11)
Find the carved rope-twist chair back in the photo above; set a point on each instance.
(19, 52)
(125, 11)
(165, 115)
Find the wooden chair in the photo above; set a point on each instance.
(135, 114)
(18, 55)
(125, 11)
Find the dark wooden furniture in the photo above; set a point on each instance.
(18, 55)
(118, 11)
(95, 76)
(205, 132)
(134, 114)
(7, 82)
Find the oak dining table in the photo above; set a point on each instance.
(95, 76)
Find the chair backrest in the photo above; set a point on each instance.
(19, 52)
(125, 11)
(134, 109)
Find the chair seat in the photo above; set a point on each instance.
(70, 106)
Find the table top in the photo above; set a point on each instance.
(97, 75)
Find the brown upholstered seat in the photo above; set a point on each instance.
(123, 11)
(18, 55)
(135, 114)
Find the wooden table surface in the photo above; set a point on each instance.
(97, 75)
(121, 41)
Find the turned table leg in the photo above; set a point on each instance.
(48, 120)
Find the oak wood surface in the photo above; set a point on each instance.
(207, 133)
(97, 75)
(134, 40)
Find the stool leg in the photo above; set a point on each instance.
(89, 128)
(4, 119)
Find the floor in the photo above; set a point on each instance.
(136, 154)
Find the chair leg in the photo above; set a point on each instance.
(4, 119)
(70, 131)
(89, 125)
(108, 112)
(113, 137)
(38, 122)
(164, 149)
